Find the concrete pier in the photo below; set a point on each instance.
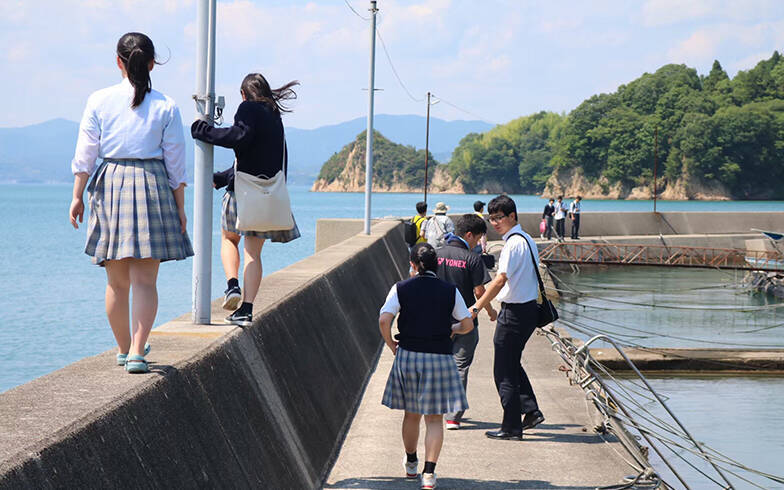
(563, 452)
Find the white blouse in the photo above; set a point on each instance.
(110, 128)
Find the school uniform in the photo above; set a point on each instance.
(560, 218)
(574, 210)
(547, 215)
(133, 213)
(424, 377)
(258, 140)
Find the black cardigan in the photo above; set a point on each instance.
(256, 138)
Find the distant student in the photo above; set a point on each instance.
(547, 215)
(481, 247)
(560, 217)
(137, 194)
(459, 265)
(424, 378)
(434, 230)
(258, 140)
(574, 213)
(419, 219)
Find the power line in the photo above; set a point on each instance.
(392, 65)
(464, 110)
(355, 12)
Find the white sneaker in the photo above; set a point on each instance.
(428, 480)
(411, 468)
(452, 425)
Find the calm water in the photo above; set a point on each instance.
(52, 313)
(658, 307)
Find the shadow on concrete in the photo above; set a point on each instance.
(586, 438)
(468, 424)
(388, 482)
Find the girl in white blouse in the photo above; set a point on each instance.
(137, 215)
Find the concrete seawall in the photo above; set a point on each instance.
(265, 406)
(605, 224)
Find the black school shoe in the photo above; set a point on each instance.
(240, 318)
(502, 434)
(232, 298)
(532, 419)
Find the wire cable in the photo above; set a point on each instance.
(394, 71)
(464, 110)
(355, 12)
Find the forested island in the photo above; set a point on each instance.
(718, 138)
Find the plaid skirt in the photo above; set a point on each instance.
(133, 213)
(229, 223)
(426, 383)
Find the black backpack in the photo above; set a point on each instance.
(410, 230)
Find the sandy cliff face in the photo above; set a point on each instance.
(571, 182)
(352, 179)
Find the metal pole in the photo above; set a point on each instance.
(427, 142)
(371, 93)
(655, 163)
(203, 161)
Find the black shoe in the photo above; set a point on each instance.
(532, 419)
(232, 298)
(239, 318)
(502, 434)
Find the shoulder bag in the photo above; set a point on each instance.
(263, 204)
(547, 312)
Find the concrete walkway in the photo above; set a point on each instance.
(562, 452)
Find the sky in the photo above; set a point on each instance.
(494, 60)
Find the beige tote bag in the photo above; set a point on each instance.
(263, 204)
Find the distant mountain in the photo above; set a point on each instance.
(42, 152)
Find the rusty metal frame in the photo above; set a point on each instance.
(660, 255)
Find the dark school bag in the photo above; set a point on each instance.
(547, 312)
(410, 230)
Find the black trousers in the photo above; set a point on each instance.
(516, 324)
(560, 227)
(549, 231)
(576, 225)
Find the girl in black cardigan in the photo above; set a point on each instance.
(258, 140)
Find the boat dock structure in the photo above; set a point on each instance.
(294, 401)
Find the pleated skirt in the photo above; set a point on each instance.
(426, 383)
(133, 214)
(229, 223)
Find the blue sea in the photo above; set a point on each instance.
(51, 296)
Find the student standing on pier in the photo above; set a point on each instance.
(547, 215)
(516, 285)
(258, 140)
(137, 194)
(419, 219)
(459, 265)
(560, 217)
(574, 213)
(424, 378)
(479, 209)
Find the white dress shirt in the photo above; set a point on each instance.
(392, 305)
(110, 128)
(560, 210)
(515, 261)
(574, 208)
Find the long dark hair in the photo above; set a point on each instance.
(136, 51)
(257, 89)
(424, 256)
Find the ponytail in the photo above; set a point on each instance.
(423, 255)
(136, 52)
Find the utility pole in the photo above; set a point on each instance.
(371, 93)
(655, 163)
(203, 162)
(427, 142)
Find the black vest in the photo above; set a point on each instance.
(425, 320)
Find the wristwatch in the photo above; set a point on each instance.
(475, 310)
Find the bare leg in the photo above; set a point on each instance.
(434, 436)
(144, 275)
(118, 285)
(252, 272)
(411, 431)
(230, 254)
